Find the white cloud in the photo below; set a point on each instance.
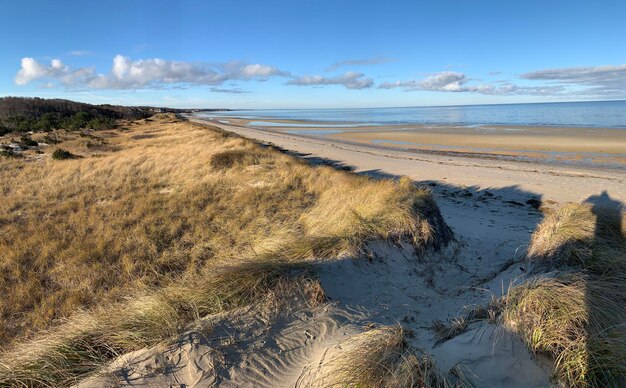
(144, 73)
(29, 71)
(349, 80)
(592, 80)
(447, 81)
(450, 81)
(258, 71)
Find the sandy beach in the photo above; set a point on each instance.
(556, 182)
(575, 146)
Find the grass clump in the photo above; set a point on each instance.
(235, 158)
(27, 141)
(376, 358)
(580, 236)
(576, 314)
(9, 153)
(61, 154)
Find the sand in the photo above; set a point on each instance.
(564, 144)
(520, 180)
(594, 147)
(485, 204)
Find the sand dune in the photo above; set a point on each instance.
(392, 313)
(294, 343)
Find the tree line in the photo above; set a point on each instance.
(18, 114)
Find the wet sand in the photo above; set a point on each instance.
(589, 147)
(585, 146)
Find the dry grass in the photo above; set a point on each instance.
(577, 315)
(376, 358)
(84, 342)
(579, 235)
(185, 221)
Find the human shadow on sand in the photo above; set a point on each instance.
(605, 292)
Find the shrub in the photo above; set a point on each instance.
(47, 122)
(26, 141)
(100, 123)
(50, 140)
(234, 158)
(8, 153)
(61, 154)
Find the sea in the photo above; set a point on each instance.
(599, 114)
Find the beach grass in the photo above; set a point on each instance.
(123, 247)
(379, 357)
(575, 312)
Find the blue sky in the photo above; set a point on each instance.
(313, 53)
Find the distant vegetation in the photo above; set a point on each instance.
(19, 114)
(41, 115)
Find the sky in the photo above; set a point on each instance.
(313, 53)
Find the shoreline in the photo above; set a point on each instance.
(550, 182)
(567, 146)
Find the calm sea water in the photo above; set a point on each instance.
(605, 114)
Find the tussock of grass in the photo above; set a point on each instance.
(450, 330)
(458, 325)
(61, 154)
(577, 315)
(236, 158)
(574, 236)
(588, 343)
(9, 154)
(376, 358)
(178, 228)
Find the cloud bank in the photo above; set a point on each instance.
(451, 81)
(598, 80)
(144, 73)
(349, 80)
(155, 73)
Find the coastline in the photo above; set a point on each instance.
(556, 183)
(568, 146)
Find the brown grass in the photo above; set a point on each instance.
(574, 236)
(576, 315)
(84, 342)
(377, 358)
(164, 212)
